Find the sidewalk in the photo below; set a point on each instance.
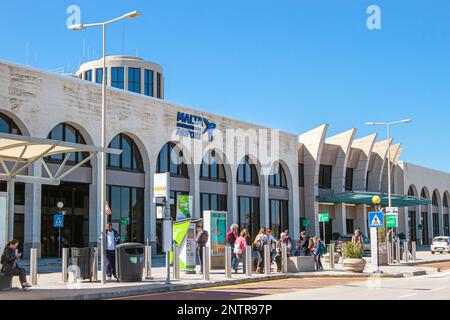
(50, 285)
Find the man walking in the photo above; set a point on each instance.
(112, 239)
(201, 240)
(231, 238)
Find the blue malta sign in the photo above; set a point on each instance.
(376, 220)
(58, 221)
(189, 125)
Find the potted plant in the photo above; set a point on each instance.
(353, 253)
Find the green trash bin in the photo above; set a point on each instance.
(130, 262)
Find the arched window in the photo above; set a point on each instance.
(170, 159)
(278, 178)
(7, 125)
(130, 158)
(445, 201)
(66, 132)
(435, 199)
(423, 194)
(247, 172)
(411, 191)
(211, 169)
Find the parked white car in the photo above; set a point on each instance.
(440, 244)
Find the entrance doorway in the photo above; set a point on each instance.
(75, 197)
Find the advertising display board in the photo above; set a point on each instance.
(184, 235)
(184, 207)
(215, 222)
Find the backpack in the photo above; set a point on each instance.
(322, 249)
(260, 241)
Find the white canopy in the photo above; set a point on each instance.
(19, 152)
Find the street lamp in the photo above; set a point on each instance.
(388, 127)
(129, 15)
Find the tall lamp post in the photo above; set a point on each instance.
(130, 15)
(388, 129)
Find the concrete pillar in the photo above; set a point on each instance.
(33, 198)
(195, 189)
(264, 201)
(360, 221)
(148, 201)
(340, 219)
(419, 233)
(360, 174)
(11, 207)
(232, 204)
(125, 78)
(441, 220)
(430, 222)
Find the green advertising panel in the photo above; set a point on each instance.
(179, 233)
(324, 217)
(184, 207)
(391, 221)
(218, 232)
(125, 221)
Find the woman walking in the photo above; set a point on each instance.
(260, 241)
(318, 250)
(239, 250)
(10, 267)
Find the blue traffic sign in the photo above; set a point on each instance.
(58, 221)
(376, 220)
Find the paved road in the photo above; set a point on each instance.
(430, 287)
(250, 290)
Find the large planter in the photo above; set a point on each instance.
(354, 265)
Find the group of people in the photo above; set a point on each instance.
(305, 246)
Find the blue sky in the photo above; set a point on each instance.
(288, 64)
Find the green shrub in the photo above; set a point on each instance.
(353, 250)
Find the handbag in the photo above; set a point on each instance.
(237, 248)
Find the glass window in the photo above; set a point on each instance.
(211, 169)
(325, 176)
(349, 179)
(117, 77)
(247, 172)
(88, 75)
(134, 80)
(301, 175)
(68, 133)
(7, 125)
(278, 178)
(248, 215)
(170, 159)
(99, 75)
(279, 218)
(158, 85)
(129, 159)
(148, 83)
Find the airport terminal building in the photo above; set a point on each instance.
(259, 176)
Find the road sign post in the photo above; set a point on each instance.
(375, 222)
(324, 217)
(58, 222)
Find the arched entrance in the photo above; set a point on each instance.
(278, 200)
(424, 194)
(73, 192)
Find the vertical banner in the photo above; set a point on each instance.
(215, 222)
(184, 207)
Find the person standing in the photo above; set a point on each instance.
(10, 266)
(358, 237)
(201, 240)
(230, 240)
(260, 241)
(239, 250)
(273, 245)
(318, 250)
(284, 239)
(302, 244)
(112, 240)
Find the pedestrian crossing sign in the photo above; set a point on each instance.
(58, 221)
(376, 220)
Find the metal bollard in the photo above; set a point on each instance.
(397, 250)
(176, 262)
(206, 264)
(414, 250)
(65, 263)
(266, 260)
(389, 252)
(284, 258)
(405, 250)
(148, 263)
(95, 265)
(248, 261)
(228, 262)
(331, 255)
(33, 266)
